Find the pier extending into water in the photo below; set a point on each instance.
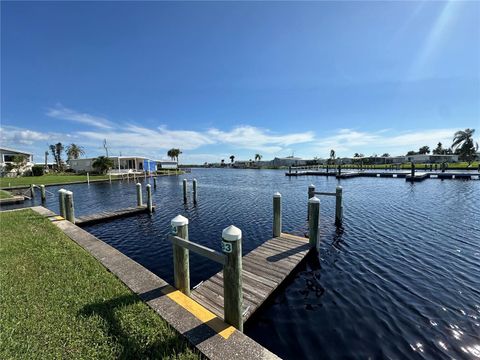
(245, 283)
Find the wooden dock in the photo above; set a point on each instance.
(264, 269)
(110, 215)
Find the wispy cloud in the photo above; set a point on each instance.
(63, 113)
(347, 141)
(12, 135)
(253, 138)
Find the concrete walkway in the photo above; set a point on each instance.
(208, 333)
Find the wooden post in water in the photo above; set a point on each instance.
(314, 211)
(61, 203)
(88, 178)
(339, 169)
(338, 205)
(110, 177)
(232, 276)
(139, 195)
(194, 185)
(277, 214)
(412, 172)
(149, 198)
(32, 191)
(43, 193)
(181, 271)
(311, 194)
(185, 191)
(69, 207)
(154, 182)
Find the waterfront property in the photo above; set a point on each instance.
(124, 165)
(391, 238)
(8, 165)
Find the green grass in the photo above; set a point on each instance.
(48, 179)
(5, 194)
(58, 302)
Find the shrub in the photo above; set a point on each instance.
(38, 170)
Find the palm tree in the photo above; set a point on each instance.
(174, 153)
(102, 164)
(74, 151)
(56, 151)
(332, 156)
(463, 144)
(258, 157)
(424, 150)
(232, 158)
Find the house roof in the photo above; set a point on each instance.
(13, 150)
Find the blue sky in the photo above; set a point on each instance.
(223, 78)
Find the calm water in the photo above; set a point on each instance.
(400, 279)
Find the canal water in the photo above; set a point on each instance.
(399, 279)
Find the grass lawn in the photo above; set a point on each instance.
(48, 179)
(5, 194)
(57, 301)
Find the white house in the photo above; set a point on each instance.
(121, 164)
(426, 158)
(7, 156)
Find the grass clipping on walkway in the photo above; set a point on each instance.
(57, 301)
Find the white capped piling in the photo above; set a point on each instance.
(232, 276)
(277, 214)
(43, 193)
(181, 271)
(61, 203)
(154, 182)
(69, 207)
(88, 178)
(311, 193)
(194, 186)
(314, 211)
(149, 198)
(139, 195)
(184, 190)
(32, 191)
(338, 205)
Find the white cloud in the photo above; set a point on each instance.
(249, 137)
(63, 113)
(12, 135)
(348, 141)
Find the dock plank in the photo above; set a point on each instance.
(264, 270)
(110, 215)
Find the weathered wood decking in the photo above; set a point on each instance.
(109, 215)
(264, 269)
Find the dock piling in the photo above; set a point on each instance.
(181, 271)
(232, 276)
(338, 205)
(311, 194)
(69, 207)
(32, 191)
(154, 182)
(194, 185)
(314, 211)
(43, 193)
(412, 170)
(149, 198)
(185, 190)
(139, 195)
(277, 214)
(110, 177)
(61, 203)
(88, 178)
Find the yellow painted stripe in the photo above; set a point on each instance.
(55, 218)
(202, 314)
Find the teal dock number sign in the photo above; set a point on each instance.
(226, 247)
